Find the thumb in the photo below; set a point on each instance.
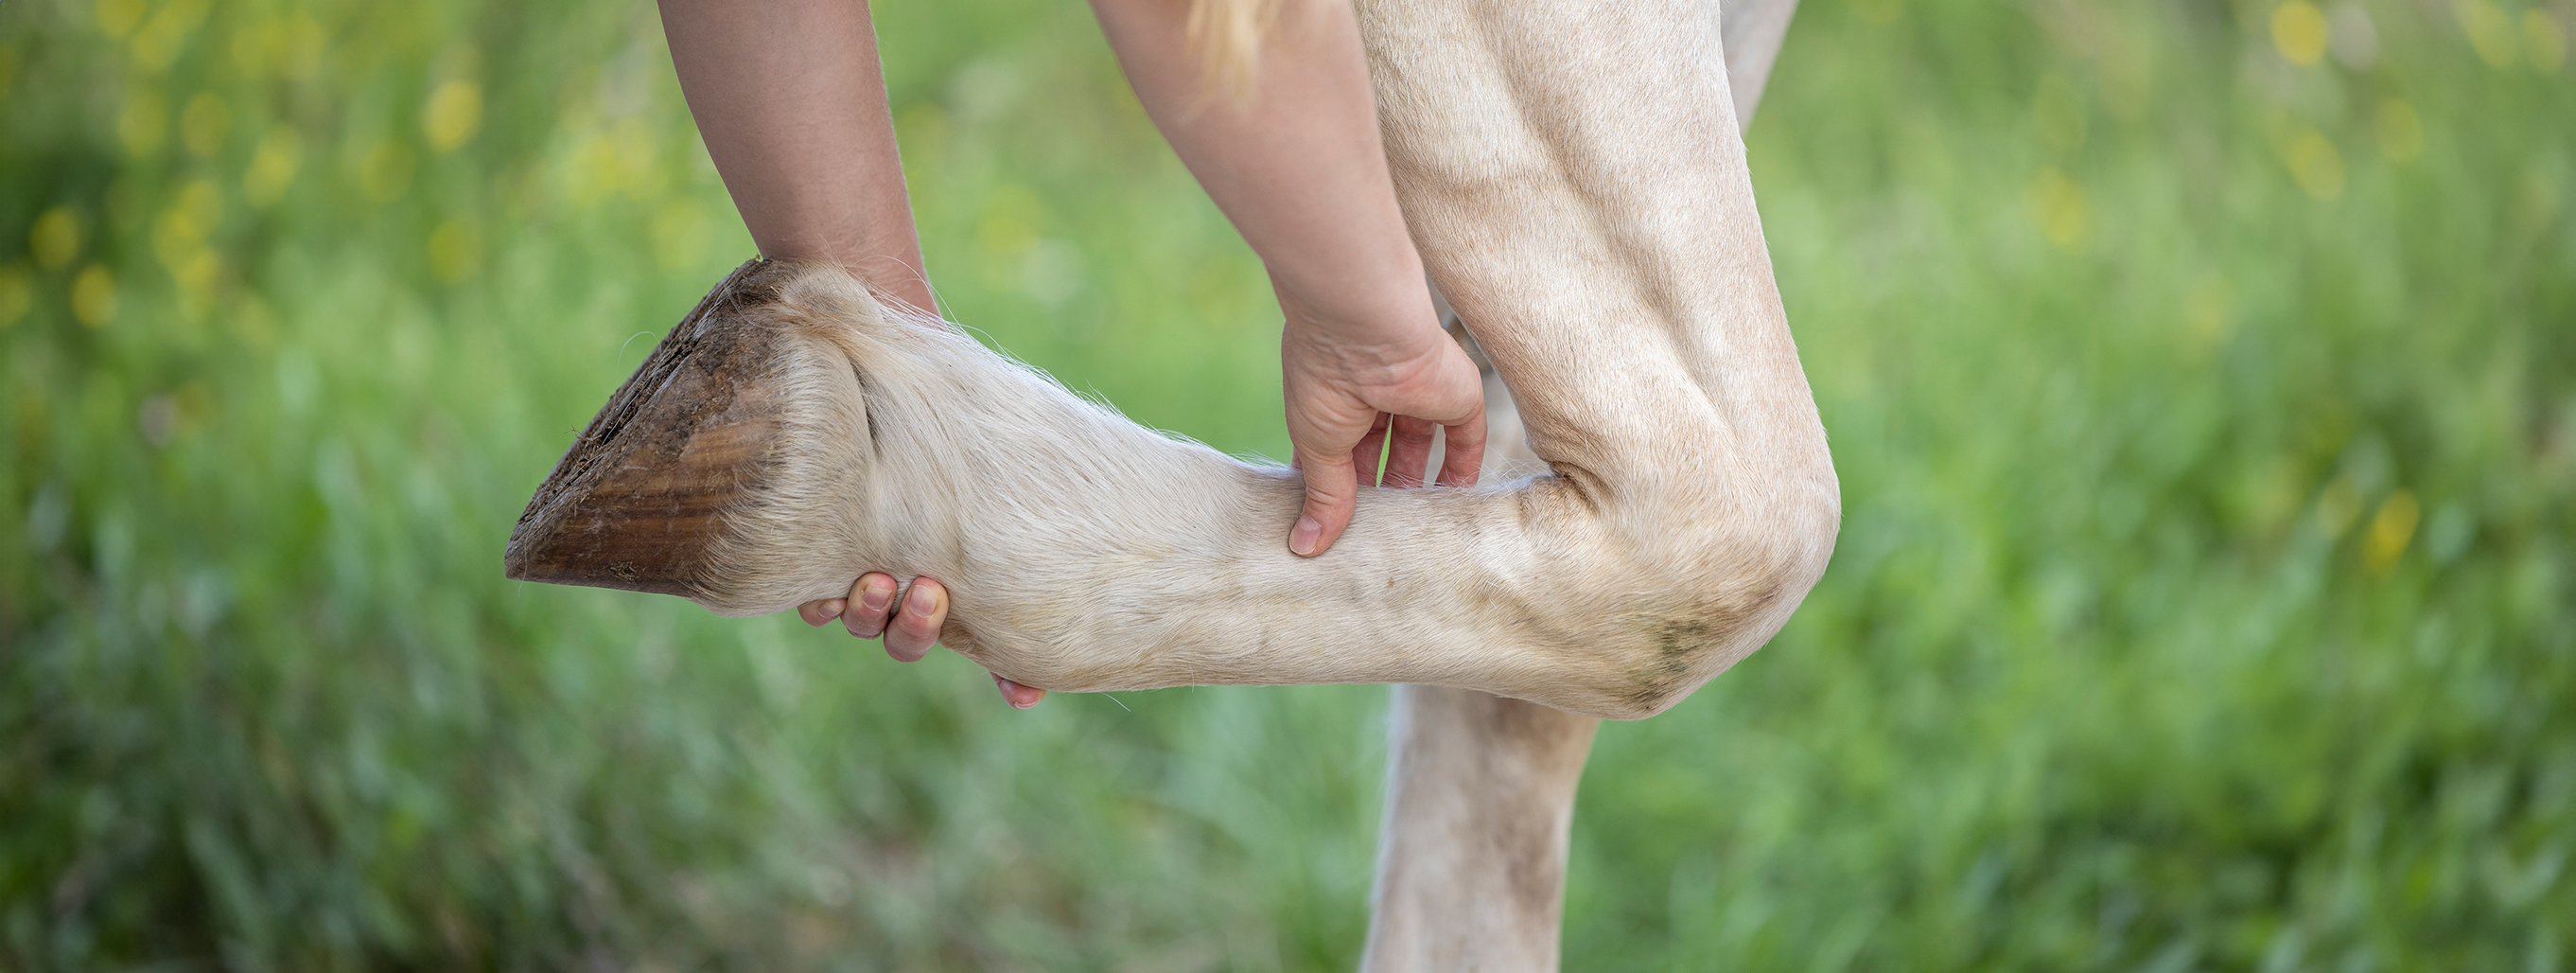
(1332, 493)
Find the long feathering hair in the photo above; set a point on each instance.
(1227, 35)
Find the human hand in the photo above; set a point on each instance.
(1296, 162)
(1352, 388)
(869, 611)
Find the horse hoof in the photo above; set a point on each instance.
(640, 500)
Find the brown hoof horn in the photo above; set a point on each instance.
(639, 501)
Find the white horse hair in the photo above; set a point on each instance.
(1574, 176)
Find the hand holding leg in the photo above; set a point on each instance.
(791, 101)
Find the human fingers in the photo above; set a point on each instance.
(1364, 456)
(863, 613)
(1019, 696)
(1446, 393)
(1332, 493)
(915, 627)
(822, 610)
(1466, 451)
(1408, 451)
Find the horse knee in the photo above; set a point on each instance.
(1729, 576)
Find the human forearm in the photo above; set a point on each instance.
(791, 101)
(1296, 165)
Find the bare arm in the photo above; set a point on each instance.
(791, 100)
(1298, 166)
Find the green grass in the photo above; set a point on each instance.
(2205, 597)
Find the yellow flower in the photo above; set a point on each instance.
(166, 33)
(204, 124)
(2315, 163)
(300, 46)
(385, 174)
(455, 250)
(289, 48)
(56, 238)
(2299, 32)
(15, 294)
(204, 201)
(455, 113)
(116, 18)
(142, 122)
(2490, 32)
(272, 165)
(94, 295)
(2544, 40)
(2389, 531)
(179, 236)
(198, 274)
(2064, 217)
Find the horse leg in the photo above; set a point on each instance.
(1471, 860)
(1479, 788)
(1573, 178)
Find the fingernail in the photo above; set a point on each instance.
(875, 597)
(921, 604)
(1302, 539)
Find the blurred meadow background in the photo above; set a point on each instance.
(2201, 373)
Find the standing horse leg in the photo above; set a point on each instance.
(1471, 861)
(1480, 788)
